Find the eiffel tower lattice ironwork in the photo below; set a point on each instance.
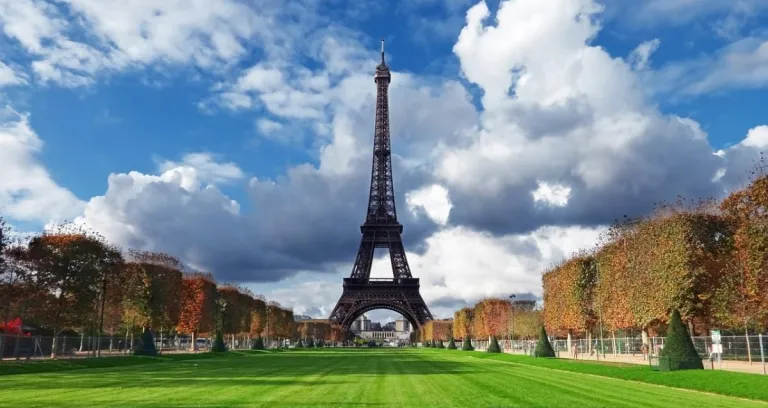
(381, 230)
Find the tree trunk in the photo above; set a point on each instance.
(82, 337)
(160, 351)
(749, 349)
(193, 347)
(53, 345)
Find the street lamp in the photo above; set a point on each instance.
(512, 306)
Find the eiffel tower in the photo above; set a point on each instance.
(381, 230)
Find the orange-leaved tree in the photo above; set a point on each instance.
(198, 297)
(462, 323)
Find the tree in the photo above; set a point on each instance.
(678, 346)
(493, 346)
(467, 345)
(451, 344)
(299, 344)
(157, 282)
(491, 317)
(146, 346)
(462, 323)
(258, 344)
(73, 265)
(543, 347)
(198, 297)
(742, 298)
(218, 343)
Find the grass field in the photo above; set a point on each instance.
(345, 378)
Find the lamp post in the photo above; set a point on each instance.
(512, 307)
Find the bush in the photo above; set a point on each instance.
(493, 346)
(258, 344)
(467, 345)
(678, 346)
(146, 345)
(451, 344)
(218, 343)
(543, 347)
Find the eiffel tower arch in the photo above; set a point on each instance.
(381, 230)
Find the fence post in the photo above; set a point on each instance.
(762, 353)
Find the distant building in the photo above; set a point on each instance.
(299, 318)
(402, 325)
(361, 324)
(390, 326)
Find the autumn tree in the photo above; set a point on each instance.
(491, 318)
(198, 296)
(73, 265)
(462, 323)
(743, 295)
(258, 316)
(569, 289)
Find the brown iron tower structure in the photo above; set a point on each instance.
(381, 230)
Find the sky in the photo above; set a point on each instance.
(236, 134)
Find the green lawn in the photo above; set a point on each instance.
(335, 378)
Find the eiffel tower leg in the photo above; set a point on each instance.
(364, 260)
(400, 266)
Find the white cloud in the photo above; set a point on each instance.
(135, 33)
(27, 190)
(8, 76)
(206, 168)
(267, 126)
(552, 194)
(641, 56)
(433, 200)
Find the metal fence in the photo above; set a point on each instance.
(751, 351)
(36, 347)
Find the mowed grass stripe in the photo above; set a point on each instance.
(342, 378)
(619, 391)
(545, 389)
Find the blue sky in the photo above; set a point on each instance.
(237, 133)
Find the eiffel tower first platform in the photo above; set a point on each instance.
(381, 230)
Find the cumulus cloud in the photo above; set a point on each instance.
(205, 167)
(28, 192)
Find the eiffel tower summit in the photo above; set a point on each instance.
(381, 230)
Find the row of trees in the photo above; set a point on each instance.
(707, 260)
(68, 279)
(490, 317)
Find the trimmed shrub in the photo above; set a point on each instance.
(493, 346)
(678, 346)
(258, 344)
(467, 345)
(146, 345)
(543, 347)
(451, 344)
(218, 343)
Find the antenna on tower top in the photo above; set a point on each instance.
(382, 50)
